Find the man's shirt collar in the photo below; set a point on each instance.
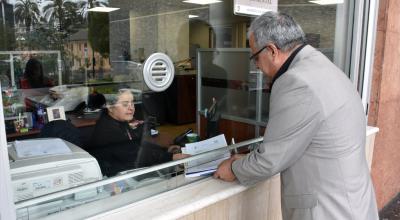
(286, 64)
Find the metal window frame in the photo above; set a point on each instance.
(361, 60)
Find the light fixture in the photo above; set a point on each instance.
(103, 9)
(193, 16)
(202, 2)
(327, 2)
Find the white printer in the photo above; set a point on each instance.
(37, 175)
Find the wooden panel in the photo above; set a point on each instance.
(186, 99)
(232, 129)
(181, 100)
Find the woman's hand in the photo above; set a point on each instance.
(180, 156)
(133, 124)
(175, 149)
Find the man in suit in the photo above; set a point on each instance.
(315, 135)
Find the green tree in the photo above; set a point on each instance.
(27, 12)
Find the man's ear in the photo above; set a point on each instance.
(273, 49)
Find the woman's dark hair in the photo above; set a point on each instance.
(34, 73)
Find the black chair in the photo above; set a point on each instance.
(62, 129)
(151, 154)
(154, 105)
(96, 100)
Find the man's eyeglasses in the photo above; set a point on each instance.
(255, 56)
(127, 104)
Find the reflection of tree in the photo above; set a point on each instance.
(49, 24)
(43, 37)
(99, 33)
(85, 5)
(61, 12)
(27, 12)
(7, 37)
(98, 36)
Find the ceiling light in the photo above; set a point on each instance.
(327, 2)
(103, 9)
(202, 2)
(193, 16)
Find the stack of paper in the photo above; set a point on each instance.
(208, 165)
(40, 147)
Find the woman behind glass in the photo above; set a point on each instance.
(116, 139)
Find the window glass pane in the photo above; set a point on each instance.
(77, 74)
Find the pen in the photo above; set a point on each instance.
(234, 149)
(212, 107)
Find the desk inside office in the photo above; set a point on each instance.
(86, 124)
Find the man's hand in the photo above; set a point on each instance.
(224, 171)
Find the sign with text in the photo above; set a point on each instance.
(254, 7)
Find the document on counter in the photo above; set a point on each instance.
(205, 166)
(39, 147)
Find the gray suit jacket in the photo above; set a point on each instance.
(316, 138)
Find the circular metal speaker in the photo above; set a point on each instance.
(158, 72)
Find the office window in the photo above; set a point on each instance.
(85, 60)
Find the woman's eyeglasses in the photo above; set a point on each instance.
(127, 104)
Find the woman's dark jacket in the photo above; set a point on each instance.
(118, 147)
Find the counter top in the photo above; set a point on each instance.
(169, 205)
(181, 201)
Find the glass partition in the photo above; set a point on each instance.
(70, 71)
(127, 187)
(230, 88)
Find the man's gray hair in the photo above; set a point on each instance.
(277, 28)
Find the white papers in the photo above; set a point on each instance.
(207, 165)
(205, 169)
(39, 147)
